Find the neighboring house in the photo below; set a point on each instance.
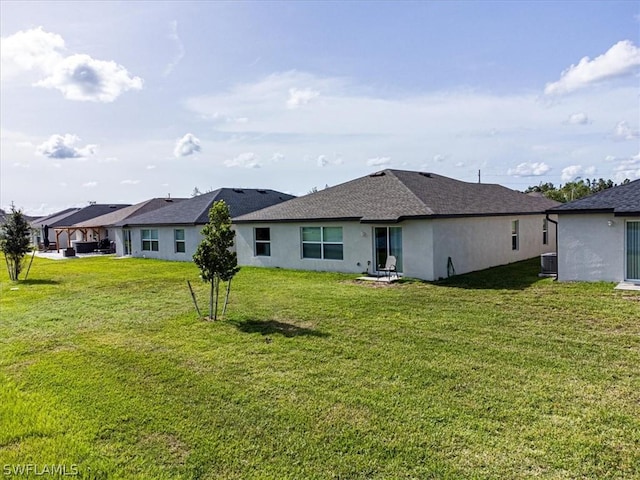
(102, 227)
(435, 226)
(599, 236)
(41, 228)
(60, 227)
(174, 232)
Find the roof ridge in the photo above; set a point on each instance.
(207, 205)
(420, 201)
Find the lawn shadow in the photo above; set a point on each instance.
(515, 276)
(37, 282)
(271, 327)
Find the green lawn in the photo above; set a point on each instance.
(105, 368)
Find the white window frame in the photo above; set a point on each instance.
(515, 235)
(147, 235)
(322, 243)
(545, 231)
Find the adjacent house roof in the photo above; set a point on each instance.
(621, 200)
(69, 219)
(195, 211)
(49, 220)
(4, 215)
(394, 195)
(121, 214)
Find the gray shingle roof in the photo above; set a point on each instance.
(82, 215)
(394, 195)
(620, 200)
(195, 211)
(112, 218)
(54, 217)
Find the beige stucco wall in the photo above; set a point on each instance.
(589, 249)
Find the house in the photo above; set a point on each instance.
(599, 236)
(435, 227)
(42, 236)
(102, 227)
(60, 228)
(173, 232)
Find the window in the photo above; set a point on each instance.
(262, 242)
(322, 242)
(150, 240)
(515, 226)
(178, 237)
(545, 231)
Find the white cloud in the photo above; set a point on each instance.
(77, 76)
(623, 131)
(468, 126)
(187, 145)
(379, 162)
(29, 50)
(573, 172)
(64, 146)
(277, 157)
(245, 160)
(298, 98)
(130, 182)
(578, 119)
(173, 36)
(440, 158)
(627, 169)
(619, 60)
(90, 184)
(80, 77)
(150, 167)
(525, 169)
(323, 161)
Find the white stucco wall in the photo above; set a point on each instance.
(478, 243)
(166, 246)
(472, 243)
(589, 249)
(286, 250)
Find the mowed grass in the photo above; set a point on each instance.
(498, 374)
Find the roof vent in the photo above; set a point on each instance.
(425, 174)
(238, 190)
(378, 174)
(112, 206)
(262, 191)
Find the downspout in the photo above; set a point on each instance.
(556, 224)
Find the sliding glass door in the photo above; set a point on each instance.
(126, 237)
(388, 241)
(633, 250)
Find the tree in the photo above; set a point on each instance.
(573, 190)
(214, 257)
(14, 241)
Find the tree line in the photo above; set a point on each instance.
(573, 190)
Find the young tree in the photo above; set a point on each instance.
(14, 241)
(214, 257)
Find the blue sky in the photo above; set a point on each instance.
(118, 102)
